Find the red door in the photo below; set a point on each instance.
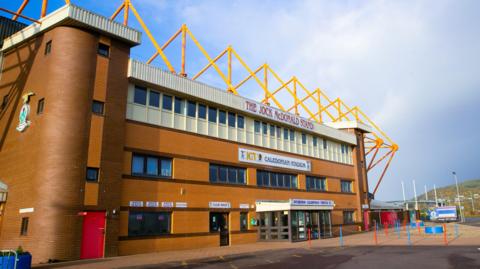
(93, 235)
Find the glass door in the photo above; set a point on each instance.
(325, 224)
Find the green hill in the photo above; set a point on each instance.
(467, 188)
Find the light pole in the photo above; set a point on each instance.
(462, 218)
(404, 200)
(435, 191)
(415, 194)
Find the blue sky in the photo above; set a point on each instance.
(413, 66)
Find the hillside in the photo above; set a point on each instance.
(467, 189)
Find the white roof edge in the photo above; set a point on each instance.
(80, 17)
(350, 125)
(157, 76)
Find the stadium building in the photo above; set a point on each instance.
(102, 155)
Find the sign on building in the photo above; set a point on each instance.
(269, 159)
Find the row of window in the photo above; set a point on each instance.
(316, 183)
(276, 180)
(227, 174)
(154, 166)
(160, 223)
(151, 166)
(102, 49)
(40, 104)
(189, 108)
(144, 96)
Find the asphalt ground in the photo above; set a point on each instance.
(400, 257)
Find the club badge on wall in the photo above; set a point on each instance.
(23, 121)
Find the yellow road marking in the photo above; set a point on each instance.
(233, 266)
(295, 255)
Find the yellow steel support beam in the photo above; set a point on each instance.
(43, 13)
(20, 9)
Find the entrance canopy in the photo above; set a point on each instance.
(293, 204)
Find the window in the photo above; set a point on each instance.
(256, 126)
(227, 174)
(231, 119)
(191, 109)
(4, 101)
(243, 221)
(285, 133)
(48, 47)
(292, 135)
(348, 217)
(222, 117)
(212, 114)
(279, 132)
(24, 227)
(92, 174)
(344, 148)
(97, 107)
(240, 122)
(264, 128)
(315, 142)
(316, 183)
(103, 49)
(148, 223)
(272, 130)
(154, 99)
(140, 95)
(346, 186)
(273, 179)
(41, 106)
(324, 144)
(167, 102)
(304, 139)
(151, 166)
(202, 111)
(179, 106)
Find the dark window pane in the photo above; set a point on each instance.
(324, 144)
(222, 117)
(152, 166)
(179, 105)
(279, 132)
(273, 179)
(222, 172)
(304, 139)
(292, 135)
(280, 181)
(202, 111)
(137, 164)
(97, 107)
(140, 95)
(314, 141)
(48, 47)
(232, 175)
(24, 226)
(256, 126)
(231, 119)
(286, 179)
(213, 173)
(92, 174)
(148, 223)
(191, 109)
(212, 114)
(167, 102)
(154, 99)
(285, 134)
(41, 105)
(241, 176)
(264, 128)
(241, 122)
(272, 130)
(103, 49)
(166, 168)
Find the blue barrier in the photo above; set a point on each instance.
(434, 230)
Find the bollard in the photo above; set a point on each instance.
(341, 236)
(445, 234)
(456, 231)
(375, 235)
(408, 236)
